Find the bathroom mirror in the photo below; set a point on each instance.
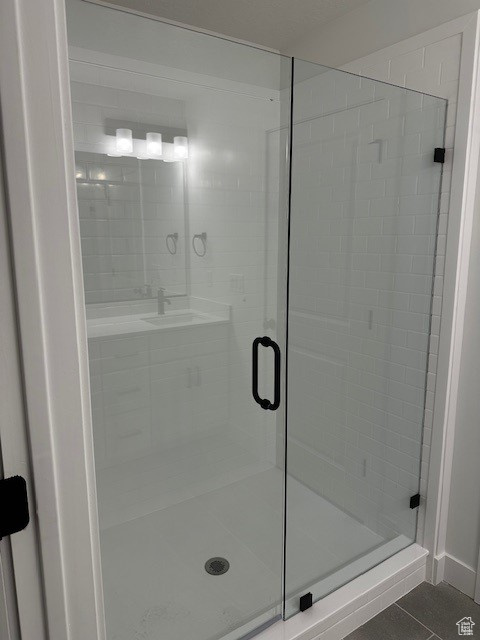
(131, 206)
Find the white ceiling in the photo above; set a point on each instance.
(271, 23)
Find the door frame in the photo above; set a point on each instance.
(45, 240)
(21, 595)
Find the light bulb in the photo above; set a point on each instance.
(80, 172)
(124, 142)
(154, 144)
(180, 146)
(97, 173)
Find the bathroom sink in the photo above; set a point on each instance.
(127, 320)
(180, 317)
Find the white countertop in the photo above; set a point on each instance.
(141, 317)
(139, 323)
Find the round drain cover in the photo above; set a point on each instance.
(217, 566)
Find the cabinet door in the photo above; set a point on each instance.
(125, 397)
(171, 402)
(209, 393)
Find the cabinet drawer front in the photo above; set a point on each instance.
(128, 434)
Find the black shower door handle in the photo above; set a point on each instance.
(264, 402)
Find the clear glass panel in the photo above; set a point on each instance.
(180, 261)
(365, 194)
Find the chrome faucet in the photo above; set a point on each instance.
(163, 299)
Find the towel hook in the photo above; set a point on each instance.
(203, 237)
(172, 245)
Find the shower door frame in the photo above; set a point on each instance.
(34, 85)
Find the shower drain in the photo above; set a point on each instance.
(217, 566)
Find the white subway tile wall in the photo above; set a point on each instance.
(365, 197)
(435, 69)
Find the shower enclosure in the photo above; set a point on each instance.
(259, 241)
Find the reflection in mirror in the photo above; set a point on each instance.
(132, 206)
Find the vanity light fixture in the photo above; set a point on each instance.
(180, 147)
(124, 142)
(152, 148)
(154, 144)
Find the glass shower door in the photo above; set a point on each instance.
(179, 241)
(363, 229)
(181, 150)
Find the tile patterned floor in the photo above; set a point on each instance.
(426, 613)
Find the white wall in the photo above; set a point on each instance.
(463, 530)
(373, 26)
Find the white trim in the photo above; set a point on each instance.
(438, 569)
(456, 573)
(476, 595)
(462, 204)
(20, 571)
(462, 209)
(154, 75)
(46, 250)
(346, 609)
(11, 419)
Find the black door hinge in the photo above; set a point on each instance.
(306, 601)
(439, 155)
(415, 501)
(14, 515)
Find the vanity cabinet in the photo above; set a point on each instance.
(156, 390)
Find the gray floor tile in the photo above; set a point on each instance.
(391, 624)
(440, 608)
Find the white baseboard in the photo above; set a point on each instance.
(346, 609)
(438, 569)
(452, 570)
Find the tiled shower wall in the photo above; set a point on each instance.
(232, 197)
(358, 351)
(435, 69)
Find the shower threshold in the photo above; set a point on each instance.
(352, 605)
